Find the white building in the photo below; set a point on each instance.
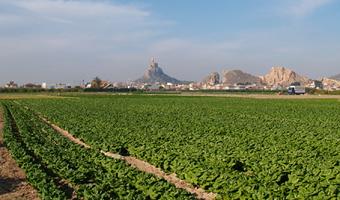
(44, 85)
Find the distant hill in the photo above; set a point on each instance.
(283, 76)
(336, 77)
(212, 79)
(154, 74)
(276, 76)
(330, 82)
(231, 77)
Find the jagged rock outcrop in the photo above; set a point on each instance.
(330, 83)
(155, 74)
(232, 77)
(336, 77)
(212, 79)
(284, 77)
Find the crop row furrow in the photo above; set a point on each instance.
(97, 176)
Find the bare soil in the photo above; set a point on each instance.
(13, 182)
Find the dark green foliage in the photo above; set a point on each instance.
(35, 172)
(49, 159)
(238, 148)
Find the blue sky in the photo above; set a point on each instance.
(69, 41)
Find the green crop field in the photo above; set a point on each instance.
(238, 148)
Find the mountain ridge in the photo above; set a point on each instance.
(155, 74)
(283, 76)
(212, 79)
(238, 76)
(277, 76)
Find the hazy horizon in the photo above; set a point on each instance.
(70, 41)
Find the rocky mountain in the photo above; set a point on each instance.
(329, 83)
(231, 77)
(212, 79)
(336, 77)
(283, 76)
(154, 74)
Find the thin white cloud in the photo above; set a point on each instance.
(302, 8)
(78, 39)
(62, 11)
(79, 8)
(81, 24)
(78, 35)
(59, 20)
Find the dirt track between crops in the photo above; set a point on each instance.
(13, 183)
(141, 165)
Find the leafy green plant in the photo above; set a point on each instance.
(238, 148)
(92, 175)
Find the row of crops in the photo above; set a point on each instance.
(60, 169)
(237, 148)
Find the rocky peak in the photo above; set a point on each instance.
(328, 82)
(153, 70)
(153, 63)
(283, 76)
(212, 79)
(154, 74)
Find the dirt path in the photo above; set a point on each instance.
(142, 166)
(13, 183)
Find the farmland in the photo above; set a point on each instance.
(233, 147)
